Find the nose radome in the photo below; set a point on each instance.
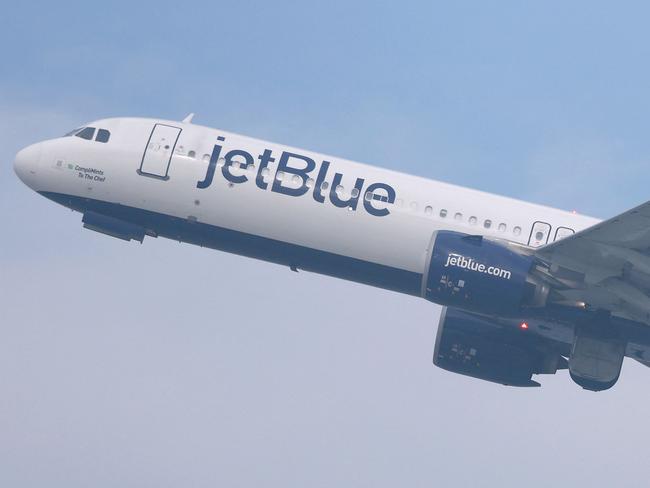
(26, 163)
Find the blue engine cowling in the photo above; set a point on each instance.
(482, 348)
(479, 275)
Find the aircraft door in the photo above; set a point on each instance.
(159, 151)
(563, 232)
(539, 234)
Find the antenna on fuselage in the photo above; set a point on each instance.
(188, 119)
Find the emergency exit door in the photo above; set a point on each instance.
(539, 234)
(159, 151)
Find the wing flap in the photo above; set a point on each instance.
(614, 258)
(630, 230)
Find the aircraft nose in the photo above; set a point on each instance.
(26, 163)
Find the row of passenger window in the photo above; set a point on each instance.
(458, 216)
(354, 193)
(487, 223)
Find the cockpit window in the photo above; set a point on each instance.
(73, 132)
(86, 133)
(103, 135)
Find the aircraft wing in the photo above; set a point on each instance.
(606, 266)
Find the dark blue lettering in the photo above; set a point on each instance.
(229, 163)
(388, 198)
(353, 200)
(320, 179)
(265, 158)
(209, 175)
(303, 174)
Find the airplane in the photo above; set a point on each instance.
(525, 289)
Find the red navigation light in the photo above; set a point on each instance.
(523, 326)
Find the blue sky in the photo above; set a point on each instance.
(112, 372)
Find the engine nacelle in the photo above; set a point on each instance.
(479, 275)
(475, 346)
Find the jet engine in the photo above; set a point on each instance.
(481, 275)
(479, 347)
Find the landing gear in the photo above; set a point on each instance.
(597, 355)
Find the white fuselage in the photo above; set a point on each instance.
(135, 169)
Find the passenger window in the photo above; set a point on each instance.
(443, 213)
(428, 210)
(191, 154)
(516, 231)
(103, 135)
(472, 220)
(502, 227)
(86, 133)
(487, 224)
(458, 216)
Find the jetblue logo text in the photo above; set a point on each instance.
(297, 175)
(458, 261)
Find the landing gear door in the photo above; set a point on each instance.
(159, 151)
(539, 234)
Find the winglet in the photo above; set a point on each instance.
(188, 119)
